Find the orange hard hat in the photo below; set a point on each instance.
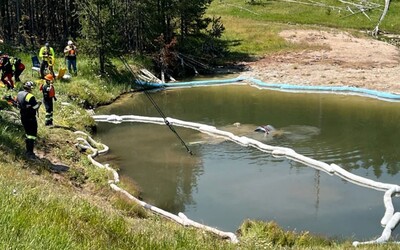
(49, 77)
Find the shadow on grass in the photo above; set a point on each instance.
(231, 62)
(63, 127)
(9, 132)
(40, 164)
(11, 135)
(238, 56)
(202, 55)
(260, 3)
(53, 167)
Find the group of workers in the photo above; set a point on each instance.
(25, 100)
(47, 55)
(13, 67)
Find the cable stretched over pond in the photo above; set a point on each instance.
(390, 219)
(96, 148)
(156, 106)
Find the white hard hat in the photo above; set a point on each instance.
(28, 85)
(70, 42)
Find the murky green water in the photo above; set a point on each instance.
(224, 183)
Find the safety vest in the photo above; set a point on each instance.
(48, 90)
(23, 100)
(70, 51)
(17, 64)
(47, 54)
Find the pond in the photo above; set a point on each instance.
(224, 183)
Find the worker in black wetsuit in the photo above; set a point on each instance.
(28, 109)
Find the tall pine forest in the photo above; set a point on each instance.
(165, 30)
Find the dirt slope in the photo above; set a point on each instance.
(340, 60)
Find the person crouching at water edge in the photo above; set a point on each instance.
(49, 94)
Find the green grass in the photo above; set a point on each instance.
(253, 30)
(255, 38)
(38, 213)
(296, 13)
(76, 209)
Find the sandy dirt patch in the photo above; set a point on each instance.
(339, 60)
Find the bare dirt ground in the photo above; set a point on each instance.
(339, 60)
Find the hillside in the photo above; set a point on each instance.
(323, 42)
(340, 59)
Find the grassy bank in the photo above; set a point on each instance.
(63, 202)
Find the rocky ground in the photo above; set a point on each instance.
(339, 59)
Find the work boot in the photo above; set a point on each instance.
(29, 149)
(30, 155)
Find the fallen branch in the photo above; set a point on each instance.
(240, 7)
(385, 10)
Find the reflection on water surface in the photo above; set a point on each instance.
(224, 183)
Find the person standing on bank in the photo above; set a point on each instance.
(48, 57)
(70, 52)
(49, 94)
(18, 66)
(7, 70)
(28, 108)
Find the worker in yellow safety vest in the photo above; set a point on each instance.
(48, 57)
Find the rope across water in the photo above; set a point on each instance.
(389, 220)
(88, 143)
